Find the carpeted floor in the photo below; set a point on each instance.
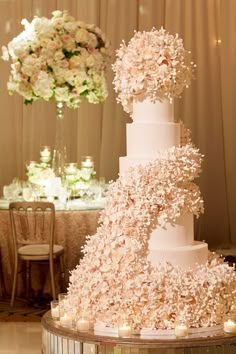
(23, 311)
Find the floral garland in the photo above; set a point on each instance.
(60, 59)
(153, 65)
(115, 279)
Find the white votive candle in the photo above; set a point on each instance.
(87, 162)
(82, 325)
(71, 168)
(124, 331)
(230, 326)
(55, 312)
(181, 330)
(45, 151)
(66, 320)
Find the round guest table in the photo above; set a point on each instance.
(72, 225)
(61, 340)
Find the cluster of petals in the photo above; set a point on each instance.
(40, 173)
(115, 279)
(153, 65)
(60, 59)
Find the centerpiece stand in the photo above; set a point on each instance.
(57, 339)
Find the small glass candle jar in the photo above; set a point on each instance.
(124, 329)
(66, 320)
(87, 162)
(55, 313)
(45, 154)
(71, 168)
(82, 324)
(61, 301)
(181, 328)
(45, 151)
(229, 325)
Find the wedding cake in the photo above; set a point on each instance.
(143, 263)
(154, 131)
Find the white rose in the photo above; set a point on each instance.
(82, 36)
(30, 65)
(58, 55)
(92, 40)
(71, 27)
(25, 90)
(76, 62)
(5, 54)
(91, 61)
(18, 47)
(57, 13)
(61, 93)
(43, 86)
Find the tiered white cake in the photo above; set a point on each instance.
(143, 263)
(153, 130)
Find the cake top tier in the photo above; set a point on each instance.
(153, 65)
(147, 111)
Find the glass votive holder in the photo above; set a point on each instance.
(82, 324)
(71, 168)
(229, 325)
(66, 320)
(45, 154)
(45, 151)
(55, 313)
(181, 328)
(87, 162)
(124, 329)
(61, 300)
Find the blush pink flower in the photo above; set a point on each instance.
(153, 65)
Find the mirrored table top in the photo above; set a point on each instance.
(73, 204)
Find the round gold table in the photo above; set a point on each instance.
(61, 340)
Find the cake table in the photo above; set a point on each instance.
(61, 340)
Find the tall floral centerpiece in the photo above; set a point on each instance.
(58, 59)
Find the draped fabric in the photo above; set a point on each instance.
(207, 108)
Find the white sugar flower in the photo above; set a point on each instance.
(153, 65)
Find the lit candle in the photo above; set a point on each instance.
(181, 330)
(55, 309)
(230, 326)
(66, 320)
(71, 168)
(87, 162)
(55, 312)
(82, 325)
(124, 331)
(45, 151)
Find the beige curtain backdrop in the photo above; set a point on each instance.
(208, 107)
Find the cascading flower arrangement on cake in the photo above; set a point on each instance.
(115, 279)
(58, 59)
(153, 65)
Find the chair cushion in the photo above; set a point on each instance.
(38, 250)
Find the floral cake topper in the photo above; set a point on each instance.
(153, 65)
(60, 59)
